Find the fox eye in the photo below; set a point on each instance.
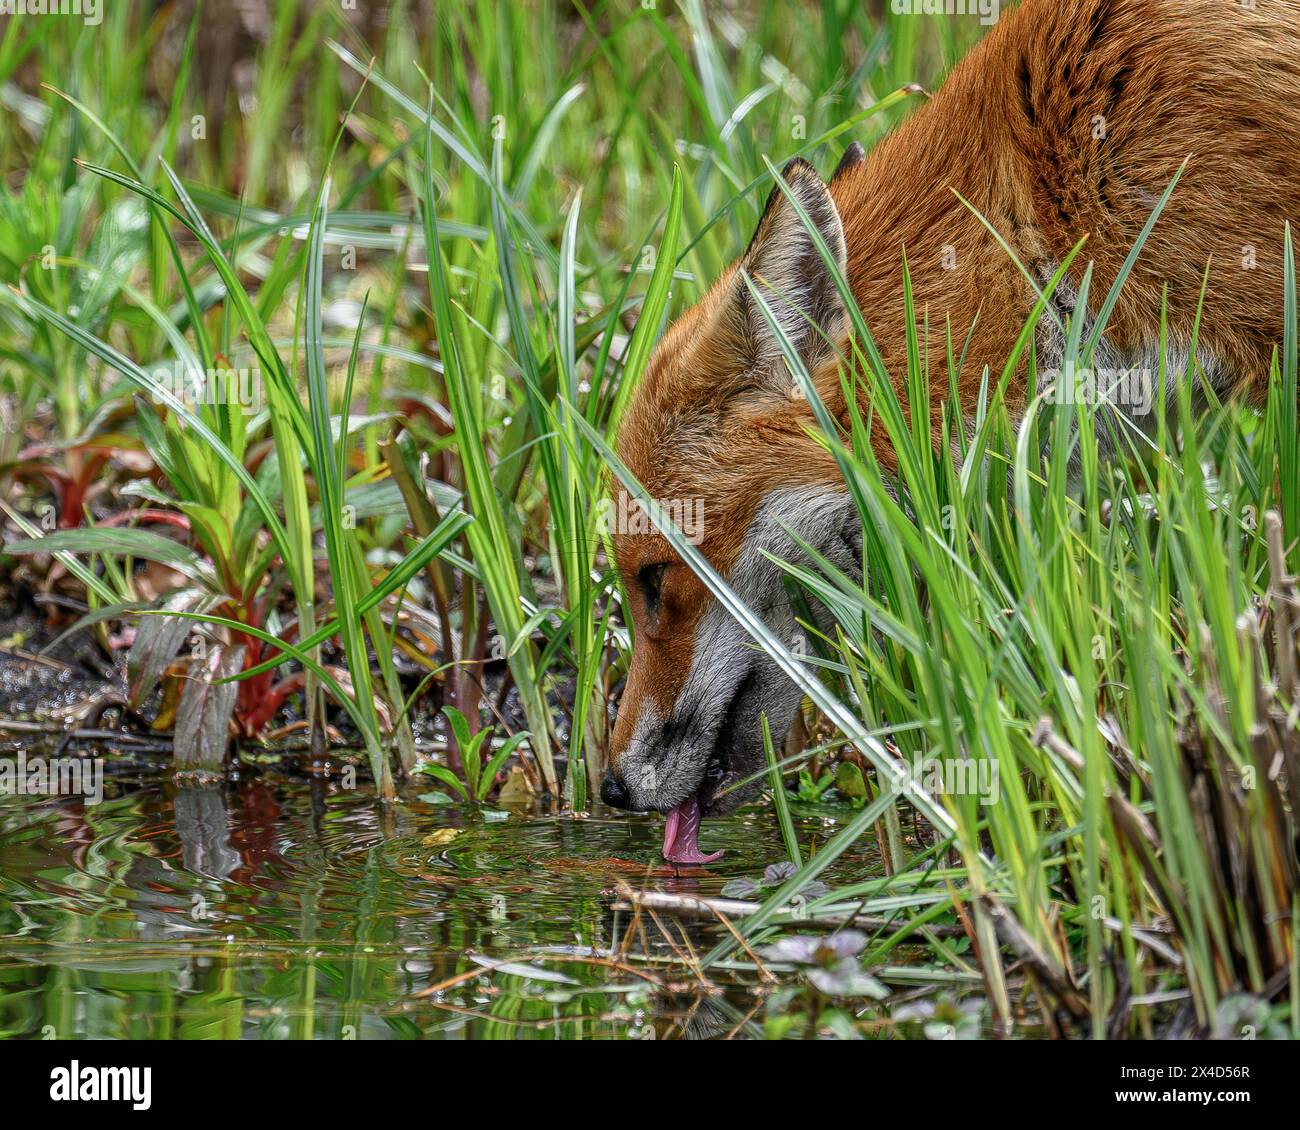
(651, 579)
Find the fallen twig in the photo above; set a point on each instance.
(691, 906)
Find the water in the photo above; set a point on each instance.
(280, 906)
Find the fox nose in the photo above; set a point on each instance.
(614, 793)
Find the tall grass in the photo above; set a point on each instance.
(1101, 639)
(448, 247)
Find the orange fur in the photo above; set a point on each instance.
(1013, 130)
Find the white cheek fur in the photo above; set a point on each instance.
(666, 757)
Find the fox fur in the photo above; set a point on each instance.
(1065, 125)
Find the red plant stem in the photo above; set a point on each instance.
(72, 503)
(152, 517)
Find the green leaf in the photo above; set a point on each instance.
(447, 777)
(206, 706)
(848, 779)
(498, 759)
(144, 545)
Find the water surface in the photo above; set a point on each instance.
(279, 906)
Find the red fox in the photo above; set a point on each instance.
(1069, 120)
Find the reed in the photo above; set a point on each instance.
(447, 247)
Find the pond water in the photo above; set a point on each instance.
(281, 906)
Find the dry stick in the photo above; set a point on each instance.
(621, 951)
(617, 966)
(744, 1020)
(691, 961)
(564, 956)
(1038, 960)
(32, 657)
(686, 941)
(692, 906)
(638, 925)
(1283, 640)
(1129, 820)
(682, 955)
(576, 959)
(984, 941)
(764, 973)
(451, 982)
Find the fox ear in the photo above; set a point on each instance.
(789, 272)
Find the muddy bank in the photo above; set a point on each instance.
(60, 692)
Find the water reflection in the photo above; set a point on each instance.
(201, 825)
(288, 908)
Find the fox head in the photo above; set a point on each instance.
(718, 434)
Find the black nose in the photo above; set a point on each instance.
(614, 793)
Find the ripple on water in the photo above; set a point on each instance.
(289, 907)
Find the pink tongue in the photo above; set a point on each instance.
(682, 835)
